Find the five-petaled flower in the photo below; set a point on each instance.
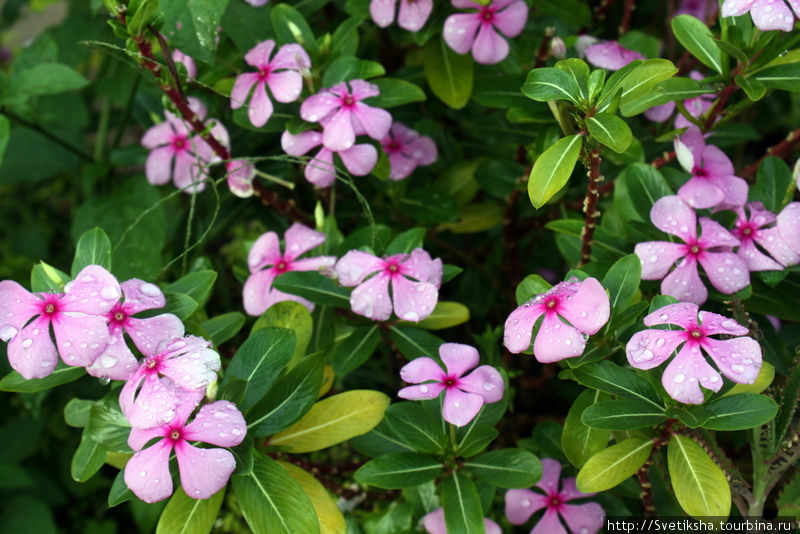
(464, 396)
(407, 149)
(241, 173)
(434, 523)
(359, 159)
(766, 14)
(759, 230)
(584, 304)
(725, 269)
(738, 358)
(610, 55)
(477, 30)
(412, 15)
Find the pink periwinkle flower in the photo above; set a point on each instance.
(697, 107)
(413, 300)
(117, 361)
(170, 371)
(739, 358)
(464, 396)
(766, 14)
(699, 9)
(343, 115)
(789, 226)
(758, 231)
(266, 262)
(584, 305)
(407, 149)
(359, 159)
(586, 518)
(713, 182)
(241, 173)
(203, 471)
(478, 29)
(281, 74)
(77, 317)
(712, 249)
(610, 55)
(434, 523)
(186, 61)
(412, 16)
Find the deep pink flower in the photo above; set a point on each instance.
(712, 249)
(172, 369)
(359, 159)
(789, 226)
(766, 14)
(477, 30)
(343, 115)
(266, 261)
(413, 301)
(281, 74)
(738, 358)
(464, 396)
(117, 361)
(584, 518)
(584, 304)
(203, 471)
(412, 16)
(699, 9)
(407, 149)
(610, 55)
(77, 317)
(186, 61)
(759, 230)
(434, 523)
(241, 173)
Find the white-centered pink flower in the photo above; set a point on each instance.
(739, 358)
(203, 471)
(407, 149)
(77, 317)
(766, 14)
(266, 262)
(478, 29)
(415, 280)
(586, 518)
(584, 305)
(434, 523)
(610, 55)
(726, 271)
(789, 226)
(758, 232)
(359, 159)
(464, 396)
(412, 16)
(282, 74)
(241, 173)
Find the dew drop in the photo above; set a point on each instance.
(151, 290)
(109, 293)
(424, 389)
(456, 404)
(680, 377)
(7, 332)
(26, 343)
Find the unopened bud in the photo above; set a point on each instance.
(211, 390)
(796, 173)
(558, 48)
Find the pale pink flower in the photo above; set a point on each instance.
(697, 107)
(610, 55)
(712, 249)
(203, 471)
(281, 74)
(713, 182)
(241, 173)
(412, 16)
(186, 61)
(77, 317)
(586, 518)
(434, 523)
(558, 47)
(413, 300)
(738, 358)
(584, 305)
(758, 231)
(343, 115)
(478, 29)
(789, 226)
(766, 14)
(266, 262)
(320, 170)
(407, 149)
(464, 396)
(117, 361)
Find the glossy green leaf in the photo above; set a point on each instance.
(356, 349)
(551, 84)
(695, 36)
(348, 68)
(755, 89)
(740, 412)
(399, 470)
(463, 511)
(291, 27)
(396, 92)
(610, 130)
(76, 412)
(445, 315)
(107, 426)
(612, 466)
(223, 327)
(611, 378)
(449, 75)
(313, 286)
(552, 169)
(292, 316)
(622, 414)
(667, 91)
(192, 26)
(784, 77)
(197, 285)
(641, 80)
(507, 468)
(184, 515)
(622, 282)
(417, 427)
(699, 484)
(45, 79)
(578, 440)
(62, 374)
(414, 342)
(89, 457)
(93, 248)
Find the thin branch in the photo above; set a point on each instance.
(590, 206)
(625, 24)
(781, 150)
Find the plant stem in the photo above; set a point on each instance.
(590, 206)
(624, 25)
(781, 150)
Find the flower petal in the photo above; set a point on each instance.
(420, 266)
(734, 8)
(660, 113)
(80, 339)
(382, 12)
(260, 109)
(139, 437)
(459, 408)
(317, 107)
(265, 252)
(557, 340)
(700, 193)
(413, 14)
(714, 234)
(354, 266)
(422, 150)
(31, 352)
(194, 370)
(359, 160)
(459, 31)
(658, 257)
(755, 259)
(519, 327)
(420, 370)
(338, 133)
(674, 216)
(683, 314)
(788, 225)
(772, 15)
(511, 20)
(684, 283)
(714, 323)
(154, 403)
(650, 348)
(551, 471)
(17, 306)
(413, 301)
(286, 86)
(485, 381)
(610, 55)
(726, 271)
(291, 56)
(522, 503)
(94, 291)
(258, 56)
(300, 144)
(219, 423)
(375, 121)
(300, 239)
(203, 471)
(489, 46)
(116, 362)
(772, 241)
(147, 472)
(320, 171)
(569, 491)
(421, 392)
(241, 88)
(371, 298)
(401, 166)
(588, 309)
(148, 334)
(549, 524)
(158, 135)
(739, 358)
(458, 358)
(587, 518)
(686, 372)
(140, 295)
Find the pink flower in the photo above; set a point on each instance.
(77, 318)
(584, 304)
(359, 160)
(788, 226)
(186, 61)
(766, 14)
(725, 270)
(584, 518)
(464, 396)
(267, 262)
(241, 173)
(738, 358)
(699, 9)
(117, 361)
(203, 471)
(175, 367)
(697, 107)
(413, 301)
(434, 523)
(343, 115)
(477, 30)
(412, 17)
(759, 230)
(281, 74)
(610, 55)
(407, 149)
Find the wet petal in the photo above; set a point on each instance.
(141, 295)
(17, 306)
(714, 323)
(734, 188)
(485, 381)
(700, 193)
(458, 358)
(610, 55)
(420, 266)
(300, 144)
(291, 56)
(421, 392)
(258, 56)
(683, 314)
(420, 370)
(147, 473)
(139, 437)
(772, 15)
(382, 12)
(734, 8)
(158, 166)
(489, 46)
(154, 403)
(551, 471)
(219, 423)
(371, 298)
(265, 252)
(354, 266)
(726, 271)
(569, 490)
(361, 89)
(413, 301)
(338, 133)
(422, 150)
(31, 352)
(658, 257)
(684, 283)
(755, 259)
(557, 340)
(674, 216)
(788, 225)
(116, 362)
(285, 86)
(714, 234)
(158, 135)
(148, 334)
(194, 370)
(300, 239)
(519, 327)
(522, 503)
(260, 109)
(80, 339)
(413, 14)
(459, 31)
(588, 309)
(772, 241)
(586, 518)
(241, 88)
(94, 291)
(650, 348)
(320, 171)
(686, 372)
(375, 121)
(549, 524)
(256, 292)
(203, 471)
(511, 20)
(318, 106)
(739, 359)
(459, 408)
(359, 160)
(660, 113)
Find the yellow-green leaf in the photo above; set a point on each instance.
(613, 465)
(331, 520)
(184, 515)
(552, 169)
(445, 315)
(700, 485)
(765, 377)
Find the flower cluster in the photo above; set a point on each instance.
(766, 14)
(477, 30)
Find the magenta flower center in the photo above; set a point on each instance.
(555, 501)
(175, 435)
(392, 268)
(450, 381)
(179, 143)
(117, 315)
(695, 334)
(487, 14)
(264, 72)
(694, 248)
(745, 230)
(151, 364)
(282, 266)
(392, 146)
(551, 304)
(700, 171)
(348, 101)
(50, 306)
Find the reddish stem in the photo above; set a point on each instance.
(781, 150)
(630, 6)
(590, 206)
(663, 160)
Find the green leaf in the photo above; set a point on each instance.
(5, 134)
(622, 414)
(610, 467)
(579, 441)
(184, 515)
(414, 342)
(291, 27)
(46, 278)
(271, 501)
(14, 382)
(610, 130)
(784, 77)
(398, 470)
(417, 427)
(429, 207)
(740, 412)
(463, 511)
(645, 185)
(764, 379)
(107, 426)
(356, 349)
(667, 91)
(774, 184)
(76, 412)
(396, 92)
(119, 492)
(197, 285)
(313, 286)
(331, 520)
(507, 468)
(755, 89)
(291, 316)
(348, 68)
(406, 241)
(551, 84)
(223, 327)
(692, 416)
(552, 169)
(45, 79)
(532, 285)
(89, 457)
(183, 306)
(449, 75)
(476, 441)
(578, 70)
(609, 95)
(643, 78)
(573, 12)
(699, 484)
(622, 281)
(192, 26)
(94, 248)
(445, 315)
(695, 36)
(611, 378)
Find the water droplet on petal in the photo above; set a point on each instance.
(7, 332)
(109, 293)
(26, 343)
(151, 290)
(680, 377)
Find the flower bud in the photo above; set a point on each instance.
(558, 48)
